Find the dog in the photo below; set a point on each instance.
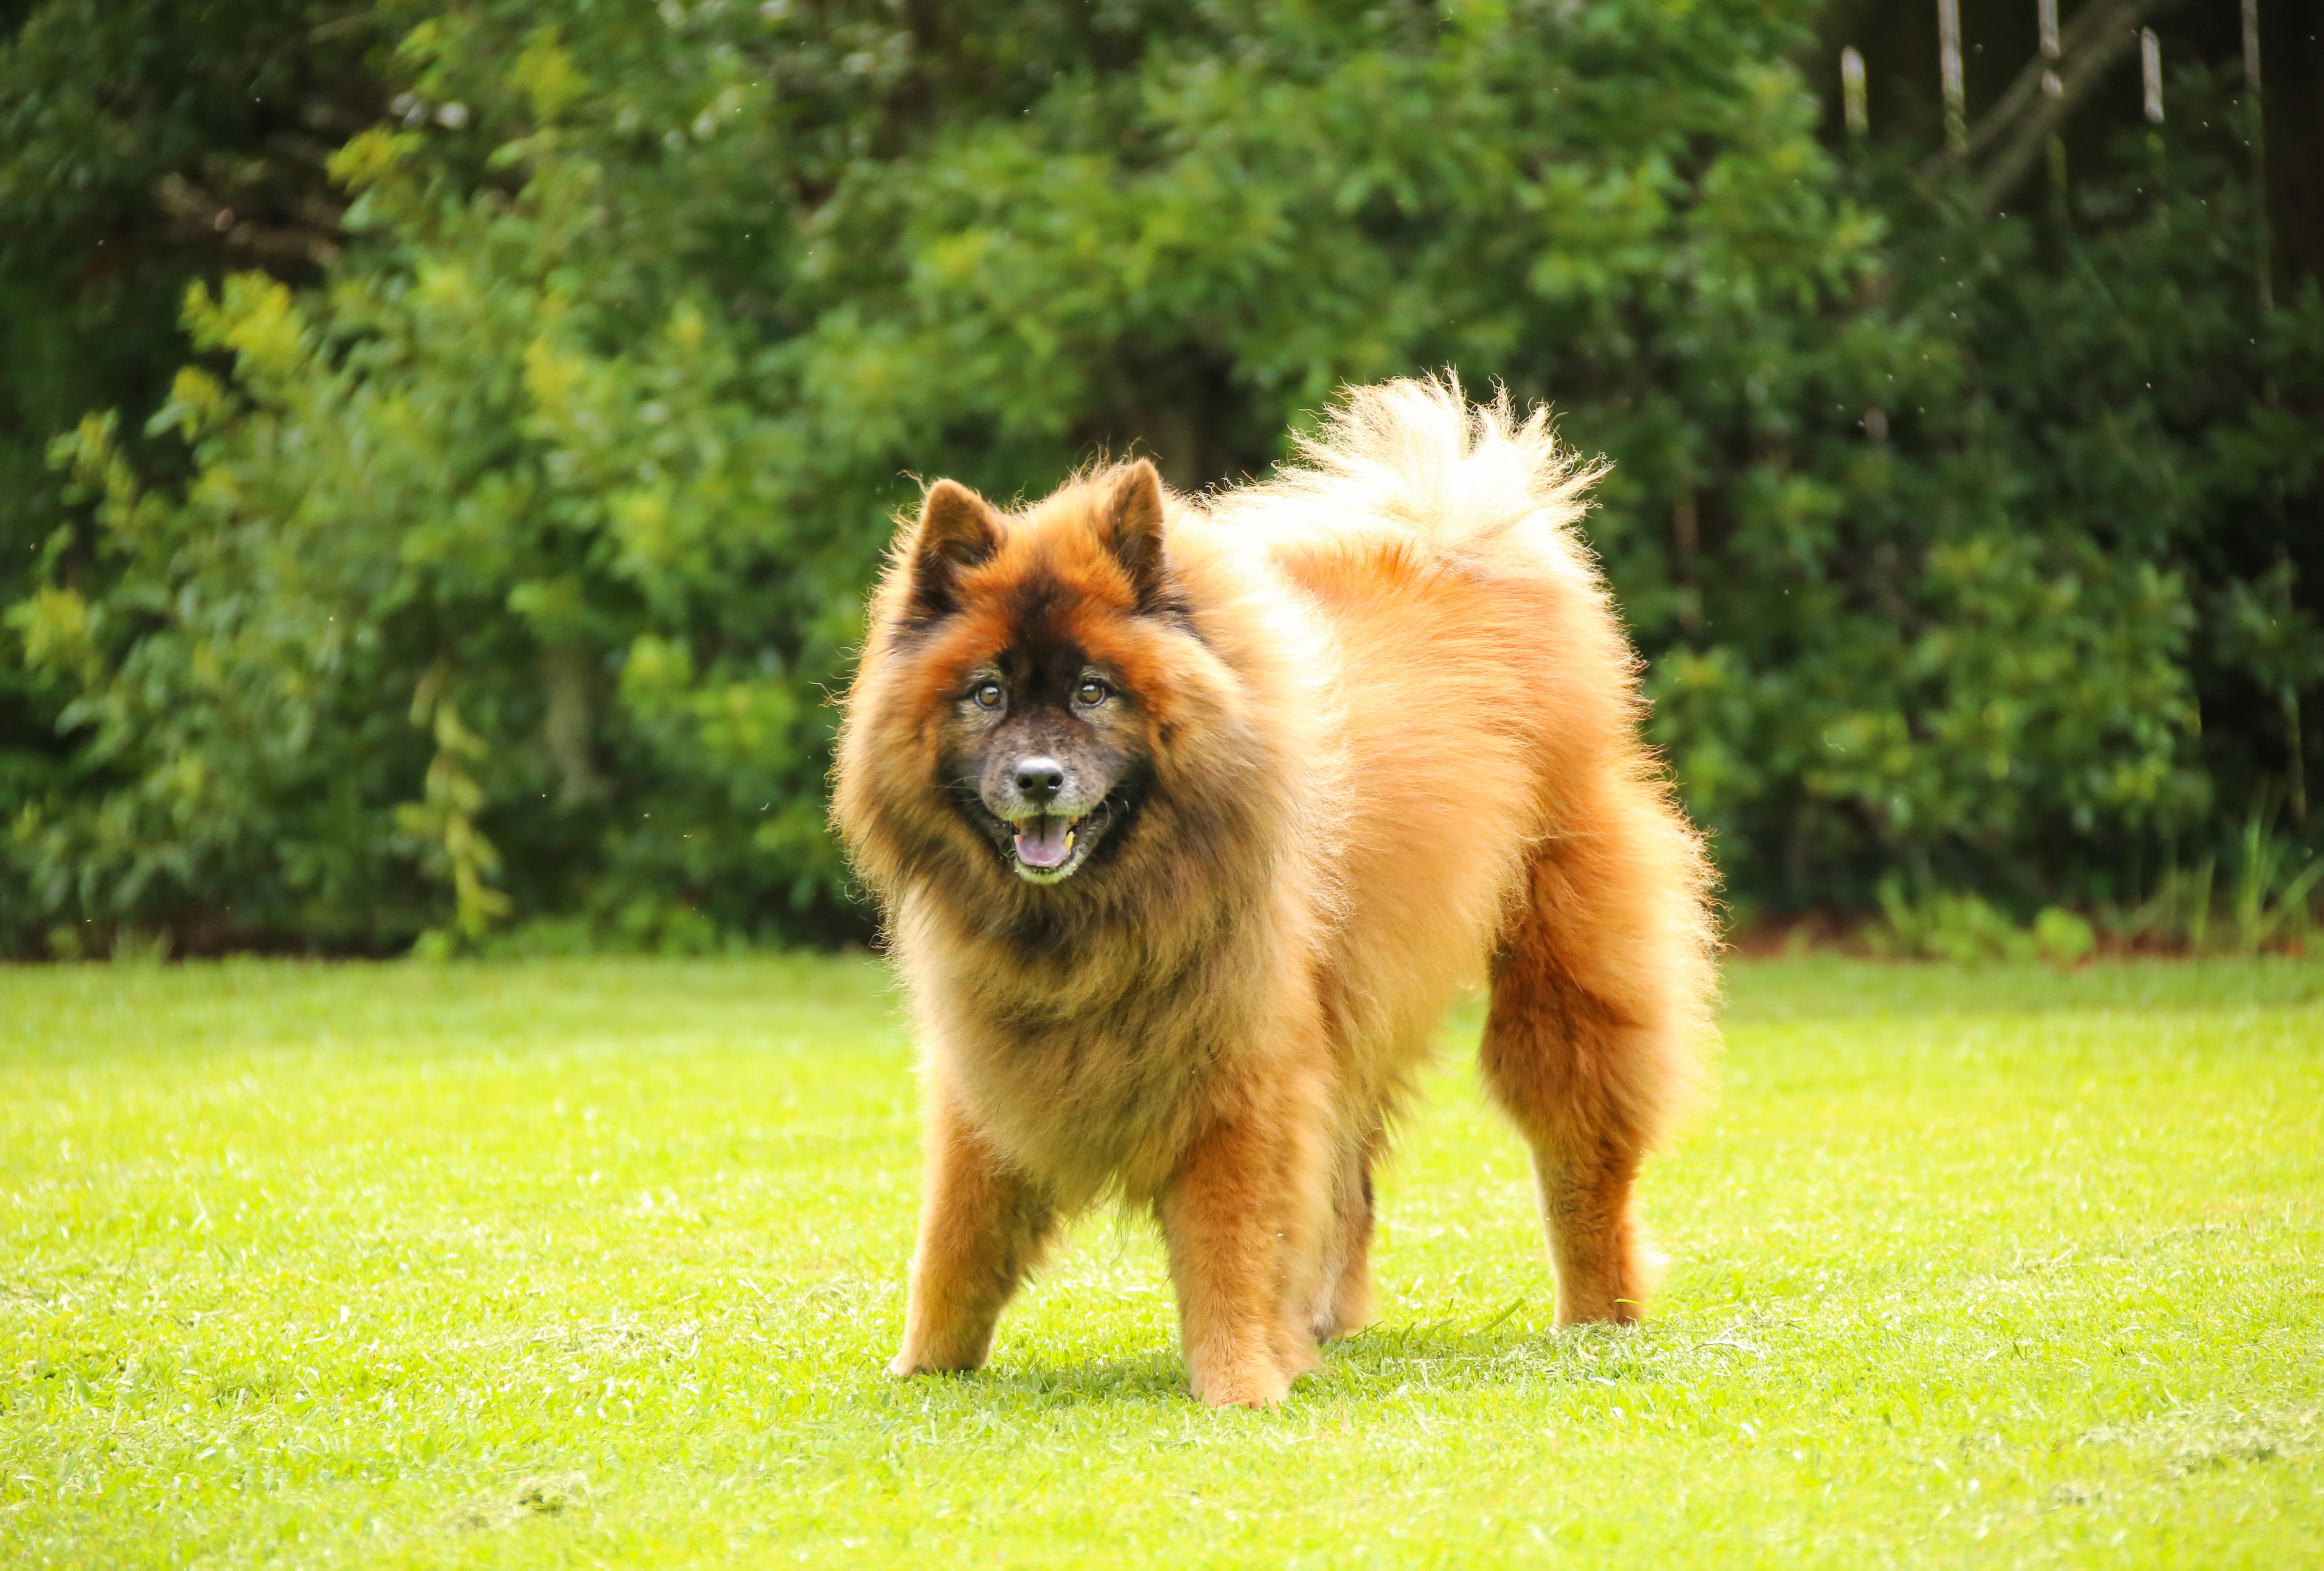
(1188, 819)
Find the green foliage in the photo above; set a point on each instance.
(2176, 914)
(489, 582)
(2270, 898)
(2061, 936)
(1962, 929)
(142, 144)
(2267, 902)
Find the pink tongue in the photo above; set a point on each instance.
(1041, 842)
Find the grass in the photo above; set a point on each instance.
(596, 1263)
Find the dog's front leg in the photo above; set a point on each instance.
(1238, 1219)
(982, 1229)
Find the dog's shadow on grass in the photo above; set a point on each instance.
(1441, 1356)
(1448, 1355)
(1157, 1379)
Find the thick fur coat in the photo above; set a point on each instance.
(1189, 819)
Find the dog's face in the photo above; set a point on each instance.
(1033, 649)
(1043, 753)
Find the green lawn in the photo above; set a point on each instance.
(597, 1261)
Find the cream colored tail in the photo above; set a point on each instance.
(1415, 456)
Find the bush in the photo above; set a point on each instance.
(503, 569)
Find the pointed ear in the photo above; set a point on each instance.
(957, 530)
(1132, 525)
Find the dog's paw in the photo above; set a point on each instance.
(1259, 1385)
(1260, 1396)
(907, 1364)
(933, 1357)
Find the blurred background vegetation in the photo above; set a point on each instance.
(443, 447)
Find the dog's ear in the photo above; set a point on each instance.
(1133, 532)
(957, 530)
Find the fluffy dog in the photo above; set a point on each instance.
(1190, 817)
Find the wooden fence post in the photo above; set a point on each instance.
(1948, 65)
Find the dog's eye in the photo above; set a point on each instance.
(988, 695)
(1092, 692)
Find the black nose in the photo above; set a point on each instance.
(1039, 780)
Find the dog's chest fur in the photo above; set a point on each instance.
(1089, 1068)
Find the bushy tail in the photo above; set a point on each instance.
(1415, 457)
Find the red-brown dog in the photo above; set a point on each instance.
(1189, 819)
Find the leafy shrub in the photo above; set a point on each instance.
(2063, 937)
(491, 581)
(1945, 925)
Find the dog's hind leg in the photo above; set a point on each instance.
(1342, 1301)
(982, 1227)
(1594, 1040)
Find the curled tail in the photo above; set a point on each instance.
(1413, 458)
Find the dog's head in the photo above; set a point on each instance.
(1027, 674)
(1044, 750)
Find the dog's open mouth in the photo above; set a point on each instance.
(1049, 847)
